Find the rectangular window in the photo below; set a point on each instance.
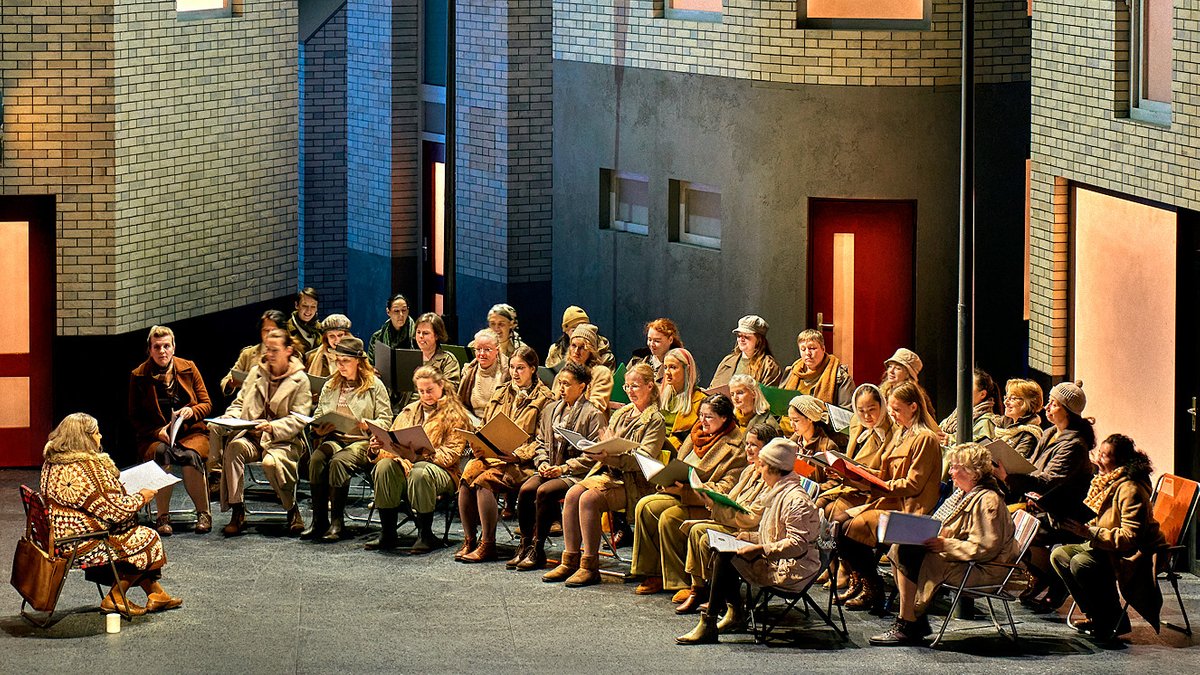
(860, 14)
(696, 214)
(203, 9)
(694, 10)
(1150, 58)
(625, 201)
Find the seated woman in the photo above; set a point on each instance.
(749, 405)
(613, 484)
(253, 355)
(910, 467)
(976, 527)
(79, 483)
(353, 391)
(482, 376)
(321, 361)
(398, 480)
(809, 419)
(1021, 426)
(522, 400)
(725, 519)
(502, 320)
(869, 435)
(430, 336)
(985, 397)
(557, 354)
(751, 355)
(678, 396)
(558, 464)
(584, 350)
(1118, 544)
(1062, 461)
(303, 324)
(714, 450)
(782, 554)
(903, 366)
(398, 332)
(160, 387)
(662, 335)
(819, 373)
(271, 393)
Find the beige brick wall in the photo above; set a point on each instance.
(1081, 133)
(758, 40)
(56, 80)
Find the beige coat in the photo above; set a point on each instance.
(718, 469)
(1126, 531)
(320, 361)
(448, 444)
(292, 395)
(648, 430)
(373, 405)
(788, 533)
(911, 466)
(549, 449)
(248, 358)
(746, 491)
(599, 392)
(522, 408)
(770, 376)
(468, 379)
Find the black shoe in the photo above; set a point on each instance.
(426, 541)
(387, 540)
(315, 529)
(899, 635)
(334, 531)
(920, 628)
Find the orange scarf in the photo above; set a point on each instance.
(702, 442)
(821, 382)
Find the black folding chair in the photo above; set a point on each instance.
(762, 623)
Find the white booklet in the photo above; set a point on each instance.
(233, 422)
(173, 427)
(725, 543)
(146, 476)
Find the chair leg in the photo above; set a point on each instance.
(946, 620)
(1187, 625)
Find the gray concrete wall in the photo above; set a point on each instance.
(770, 148)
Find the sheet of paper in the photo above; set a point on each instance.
(725, 543)
(173, 428)
(575, 439)
(146, 476)
(1012, 461)
(896, 527)
(233, 422)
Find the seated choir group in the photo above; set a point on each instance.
(734, 444)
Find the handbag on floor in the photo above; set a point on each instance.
(36, 576)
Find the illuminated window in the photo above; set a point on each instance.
(876, 14)
(694, 10)
(1150, 54)
(695, 214)
(203, 9)
(625, 203)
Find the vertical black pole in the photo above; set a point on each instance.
(966, 229)
(450, 298)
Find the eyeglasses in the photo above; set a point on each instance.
(630, 387)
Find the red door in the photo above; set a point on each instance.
(26, 327)
(861, 279)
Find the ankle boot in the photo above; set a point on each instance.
(320, 517)
(588, 573)
(871, 598)
(853, 589)
(485, 553)
(535, 559)
(237, 521)
(295, 521)
(522, 551)
(386, 541)
(568, 566)
(468, 545)
(705, 632)
(691, 604)
(337, 519)
(735, 617)
(426, 541)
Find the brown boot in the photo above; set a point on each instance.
(852, 590)
(588, 573)
(535, 559)
(870, 598)
(568, 567)
(468, 545)
(691, 604)
(521, 552)
(237, 522)
(485, 553)
(295, 522)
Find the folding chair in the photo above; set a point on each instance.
(39, 533)
(1026, 528)
(1174, 503)
(762, 627)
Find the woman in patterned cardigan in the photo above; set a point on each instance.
(79, 483)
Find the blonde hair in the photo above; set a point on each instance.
(811, 335)
(761, 405)
(644, 372)
(73, 434)
(455, 415)
(1028, 391)
(366, 377)
(973, 457)
(159, 332)
(911, 393)
(666, 392)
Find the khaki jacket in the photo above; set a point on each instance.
(648, 430)
(746, 491)
(373, 405)
(770, 376)
(292, 395)
(981, 530)
(468, 379)
(718, 469)
(1127, 532)
(148, 419)
(320, 362)
(788, 533)
(599, 392)
(911, 466)
(549, 449)
(448, 444)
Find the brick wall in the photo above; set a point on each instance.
(758, 40)
(1081, 133)
(56, 84)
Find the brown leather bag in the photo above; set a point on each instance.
(37, 576)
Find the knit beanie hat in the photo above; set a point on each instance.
(588, 332)
(1070, 396)
(573, 316)
(752, 324)
(907, 359)
(811, 407)
(779, 453)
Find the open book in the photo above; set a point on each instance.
(498, 439)
(663, 474)
(409, 443)
(1063, 504)
(849, 468)
(346, 425)
(396, 367)
(897, 527)
(725, 543)
(146, 476)
(839, 417)
(173, 427)
(1012, 461)
(611, 447)
(717, 497)
(722, 390)
(233, 422)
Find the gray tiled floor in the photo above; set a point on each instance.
(266, 604)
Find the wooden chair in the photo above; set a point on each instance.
(1027, 527)
(39, 533)
(761, 626)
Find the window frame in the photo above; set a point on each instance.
(224, 12)
(709, 16)
(610, 180)
(1143, 109)
(686, 237)
(804, 22)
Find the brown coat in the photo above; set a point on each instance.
(147, 419)
(549, 449)
(717, 470)
(524, 411)
(746, 491)
(648, 430)
(599, 392)
(448, 445)
(770, 376)
(911, 466)
(865, 447)
(468, 379)
(981, 530)
(1127, 532)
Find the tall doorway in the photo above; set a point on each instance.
(433, 227)
(861, 279)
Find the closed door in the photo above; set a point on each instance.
(861, 279)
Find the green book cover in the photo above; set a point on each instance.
(721, 499)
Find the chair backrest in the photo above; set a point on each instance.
(1026, 528)
(1174, 505)
(37, 519)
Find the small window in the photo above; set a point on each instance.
(694, 10)
(696, 217)
(862, 15)
(1150, 56)
(625, 201)
(203, 9)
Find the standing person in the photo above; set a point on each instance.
(253, 355)
(352, 391)
(749, 405)
(482, 376)
(1021, 424)
(82, 493)
(303, 324)
(583, 349)
(271, 393)
(751, 355)
(662, 335)
(160, 386)
(398, 332)
(678, 396)
(321, 361)
(572, 317)
(819, 373)
(502, 320)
